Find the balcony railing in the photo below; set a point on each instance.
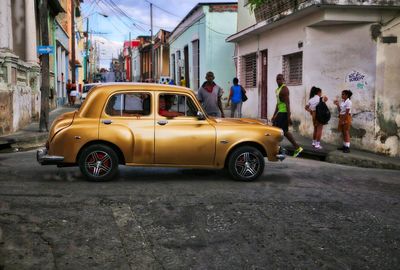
(280, 8)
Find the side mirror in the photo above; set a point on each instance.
(200, 115)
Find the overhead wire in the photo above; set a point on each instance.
(166, 11)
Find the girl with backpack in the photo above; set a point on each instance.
(345, 119)
(315, 99)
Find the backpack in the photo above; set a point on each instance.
(323, 114)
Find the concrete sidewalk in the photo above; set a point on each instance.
(30, 137)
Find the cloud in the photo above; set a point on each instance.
(108, 49)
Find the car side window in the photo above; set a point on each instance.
(171, 105)
(129, 104)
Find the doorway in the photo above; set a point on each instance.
(186, 56)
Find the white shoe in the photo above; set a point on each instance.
(318, 147)
(313, 143)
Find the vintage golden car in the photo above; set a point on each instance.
(141, 124)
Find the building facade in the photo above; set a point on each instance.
(19, 65)
(197, 45)
(161, 55)
(334, 45)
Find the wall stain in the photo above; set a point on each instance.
(357, 132)
(388, 127)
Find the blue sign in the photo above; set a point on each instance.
(45, 49)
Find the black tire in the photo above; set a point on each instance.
(246, 163)
(98, 163)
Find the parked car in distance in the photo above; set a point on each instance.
(142, 124)
(86, 88)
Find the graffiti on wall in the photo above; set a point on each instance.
(357, 80)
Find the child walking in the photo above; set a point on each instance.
(345, 119)
(315, 97)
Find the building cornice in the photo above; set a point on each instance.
(277, 21)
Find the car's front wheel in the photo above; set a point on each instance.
(98, 162)
(246, 163)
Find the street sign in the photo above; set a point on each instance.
(45, 49)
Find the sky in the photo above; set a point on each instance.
(111, 21)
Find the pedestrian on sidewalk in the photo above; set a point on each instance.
(209, 95)
(315, 98)
(73, 93)
(344, 108)
(282, 117)
(235, 95)
(69, 89)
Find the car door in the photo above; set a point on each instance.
(128, 122)
(182, 139)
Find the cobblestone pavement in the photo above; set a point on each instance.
(301, 214)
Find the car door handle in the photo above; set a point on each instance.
(162, 122)
(107, 121)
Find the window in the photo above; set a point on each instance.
(249, 70)
(129, 104)
(293, 68)
(171, 105)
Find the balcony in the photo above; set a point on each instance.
(273, 10)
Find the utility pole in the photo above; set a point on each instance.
(130, 59)
(87, 51)
(44, 63)
(73, 41)
(152, 43)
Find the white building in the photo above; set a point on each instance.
(334, 45)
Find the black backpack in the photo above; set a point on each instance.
(323, 113)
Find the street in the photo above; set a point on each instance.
(300, 214)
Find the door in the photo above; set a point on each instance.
(186, 55)
(196, 64)
(264, 83)
(181, 138)
(128, 122)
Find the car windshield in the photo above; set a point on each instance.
(86, 88)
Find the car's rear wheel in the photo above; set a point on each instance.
(246, 163)
(98, 162)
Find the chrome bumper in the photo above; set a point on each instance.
(281, 154)
(44, 159)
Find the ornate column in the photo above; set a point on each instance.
(6, 40)
(30, 31)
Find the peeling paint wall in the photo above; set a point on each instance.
(344, 51)
(5, 110)
(387, 132)
(342, 57)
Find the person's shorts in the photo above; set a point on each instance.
(346, 126)
(281, 121)
(73, 93)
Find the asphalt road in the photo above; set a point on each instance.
(301, 214)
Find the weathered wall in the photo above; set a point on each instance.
(5, 110)
(343, 57)
(387, 131)
(336, 56)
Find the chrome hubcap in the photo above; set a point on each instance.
(247, 165)
(98, 163)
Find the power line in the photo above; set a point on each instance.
(166, 11)
(119, 10)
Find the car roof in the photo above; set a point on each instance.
(115, 86)
(103, 90)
